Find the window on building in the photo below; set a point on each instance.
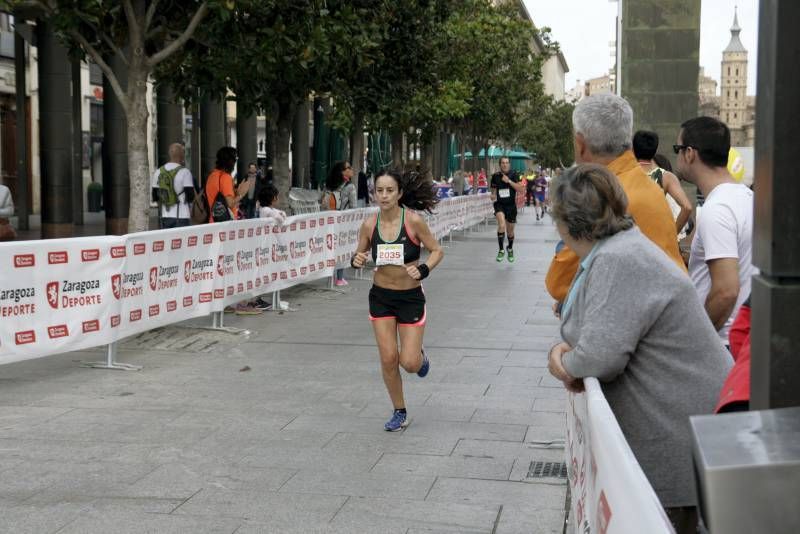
(737, 72)
(95, 74)
(736, 94)
(735, 115)
(96, 120)
(729, 93)
(729, 71)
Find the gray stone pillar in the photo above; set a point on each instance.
(116, 181)
(660, 64)
(212, 134)
(77, 144)
(246, 138)
(23, 192)
(775, 338)
(55, 142)
(169, 120)
(301, 166)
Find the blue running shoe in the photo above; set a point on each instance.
(398, 421)
(426, 365)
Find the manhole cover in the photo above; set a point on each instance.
(547, 470)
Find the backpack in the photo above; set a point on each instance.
(199, 208)
(167, 196)
(657, 175)
(219, 209)
(331, 200)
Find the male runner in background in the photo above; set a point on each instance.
(505, 185)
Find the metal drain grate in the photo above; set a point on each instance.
(547, 470)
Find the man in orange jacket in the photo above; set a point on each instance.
(603, 129)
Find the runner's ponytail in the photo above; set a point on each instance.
(418, 191)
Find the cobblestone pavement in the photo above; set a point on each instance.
(279, 428)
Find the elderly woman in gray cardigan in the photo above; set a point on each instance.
(633, 320)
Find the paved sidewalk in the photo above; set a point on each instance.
(281, 430)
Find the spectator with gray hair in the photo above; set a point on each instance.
(646, 338)
(603, 127)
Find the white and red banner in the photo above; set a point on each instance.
(610, 492)
(70, 294)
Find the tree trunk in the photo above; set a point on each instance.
(280, 166)
(462, 159)
(397, 149)
(138, 167)
(476, 149)
(357, 143)
(427, 159)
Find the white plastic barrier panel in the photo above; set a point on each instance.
(71, 294)
(610, 492)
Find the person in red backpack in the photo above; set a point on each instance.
(735, 393)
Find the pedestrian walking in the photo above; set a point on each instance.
(633, 320)
(173, 188)
(247, 206)
(720, 262)
(645, 148)
(396, 300)
(505, 186)
(340, 194)
(540, 184)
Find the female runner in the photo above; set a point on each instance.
(396, 300)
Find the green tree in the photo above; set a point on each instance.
(142, 34)
(285, 50)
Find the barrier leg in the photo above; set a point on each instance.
(111, 363)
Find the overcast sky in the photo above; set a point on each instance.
(585, 27)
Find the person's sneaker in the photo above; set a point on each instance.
(262, 304)
(510, 256)
(341, 282)
(247, 309)
(426, 365)
(398, 421)
(501, 255)
(537, 216)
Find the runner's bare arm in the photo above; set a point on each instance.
(519, 187)
(361, 257)
(425, 236)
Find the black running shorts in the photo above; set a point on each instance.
(509, 210)
(406, 306)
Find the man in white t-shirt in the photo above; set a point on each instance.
(720, 263)
(177, 214)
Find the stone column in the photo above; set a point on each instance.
(169, 122)
(775, 338)
(660, 64)
(301, 168)
(55, 137)
(212, 134)
(246, 138)
(116, 181)
(23, 192)
(77, 144)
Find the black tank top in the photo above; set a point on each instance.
(411, 248)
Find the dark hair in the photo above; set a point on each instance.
(226, 158)
(590, 202)
(500, 161)
(645, 144)
(663, 162)
(710, 137)
(266, 195)
(416, 189)
(335, 177)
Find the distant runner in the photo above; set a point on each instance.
(504, 186)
